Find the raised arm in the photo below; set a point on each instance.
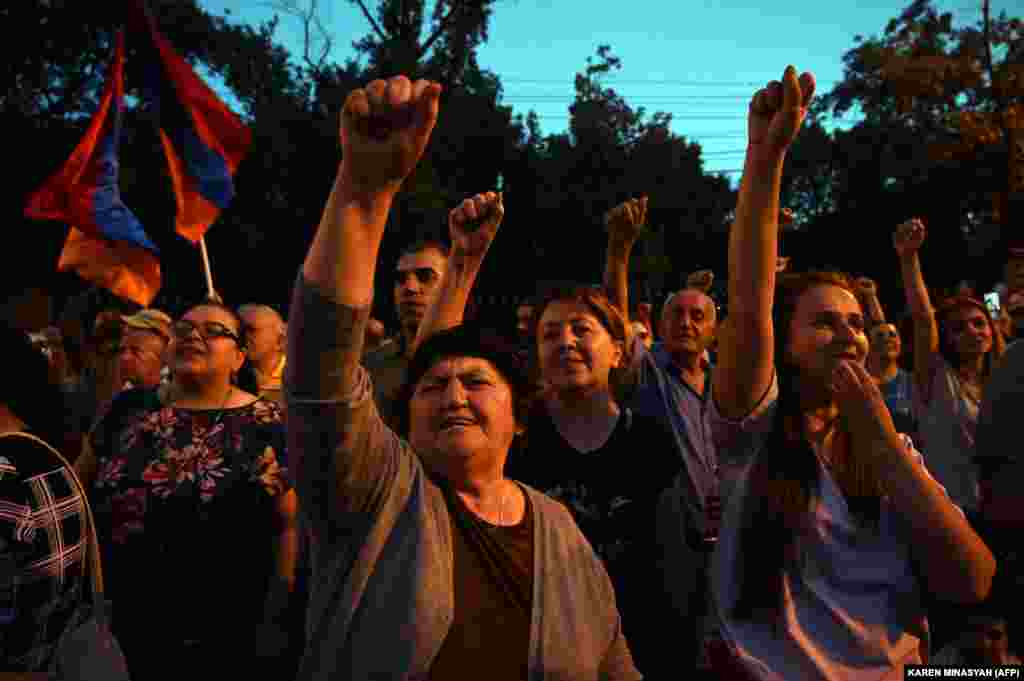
(332, 439)
(868, 293)
(746, 346)
(473, 224)
(907, 240)
(624, 224)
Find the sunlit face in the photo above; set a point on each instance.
(462, 412)
(576, 352)
(885, 341)
(204, 351)
(417, 276)
(827, 327)
(264, 334)
(641, 332)
(688, 323)
(141, 357)
(969, 331)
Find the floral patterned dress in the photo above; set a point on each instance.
(185, 508)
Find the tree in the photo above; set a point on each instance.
(926, 89)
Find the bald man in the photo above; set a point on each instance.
(264, 342)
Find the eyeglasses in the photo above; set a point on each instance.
(207, 330)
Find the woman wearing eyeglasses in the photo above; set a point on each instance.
(194, 514)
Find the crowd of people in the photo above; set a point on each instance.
(797, 489)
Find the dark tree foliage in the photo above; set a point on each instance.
(851, 188)
(557, 187)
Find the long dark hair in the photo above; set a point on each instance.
(784, 481)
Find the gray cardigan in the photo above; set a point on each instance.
(381, 594)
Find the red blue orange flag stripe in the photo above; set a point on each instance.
(203, 140)
(107, 244)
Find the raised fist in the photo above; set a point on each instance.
(625, 222)
(474, 223)
(384, 129)
(909, 236)
(867, 287)
(778, 110)
(701, 280)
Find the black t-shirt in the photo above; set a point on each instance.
(613, 494)
(493, 579)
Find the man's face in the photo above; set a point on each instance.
(688, 323)
(264, 335)
(141, 357)
(462, 415)
(417, 276)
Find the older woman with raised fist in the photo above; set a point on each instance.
(428, 562)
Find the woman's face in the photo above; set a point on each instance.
(827, 326)
(462, 415)
(968, 331)
(576, 351)
(885, 341)
(205, 342)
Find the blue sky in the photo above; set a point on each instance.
(700, 61)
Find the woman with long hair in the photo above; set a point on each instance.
(835, 527)
(955, 350)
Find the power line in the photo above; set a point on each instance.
(675, 117)
(657, 98)
(652, 81)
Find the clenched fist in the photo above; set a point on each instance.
(701, 280)
(777, 111)
(625, 222)
(867, 287)
(474, 223)
(909, 237)
(384, 129)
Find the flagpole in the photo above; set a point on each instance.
(211, 294)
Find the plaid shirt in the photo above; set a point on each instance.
(43, 543)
